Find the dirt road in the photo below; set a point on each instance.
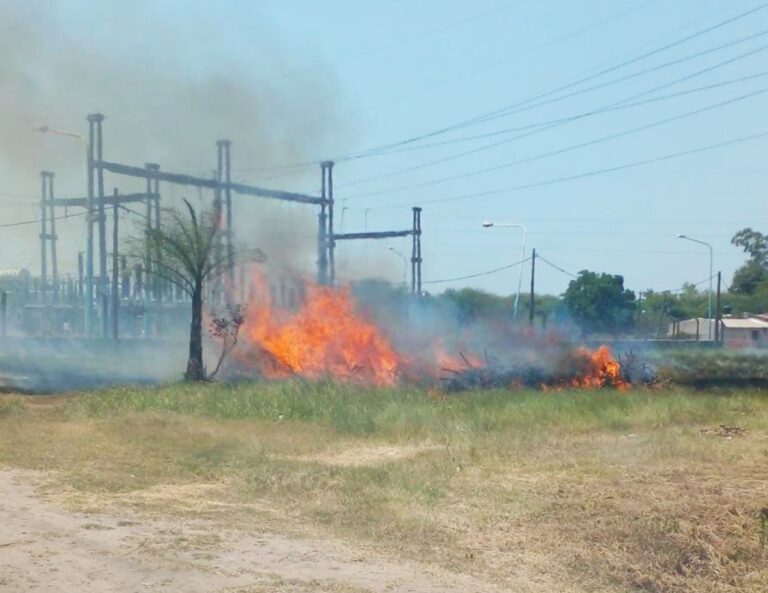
(45, 548)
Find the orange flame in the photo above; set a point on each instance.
(327, 338)
(601, 370)
(324, 338)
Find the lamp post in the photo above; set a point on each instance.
(709, 299)
(405, 264)
(489, 224)
(88, 293)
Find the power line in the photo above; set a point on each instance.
(592, 173)
(474, 72)
(555, 266)
(515, 108)
(25, 222)
(572, 275)
(494, 271)
(571, 147)
(681, 289)
(557, 122)
(634, 74)
(483, 117)
(551, 42)
(131, 211)
(616, 107)
(500, 62)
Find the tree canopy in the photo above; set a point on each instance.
(753, 243)
(752, 277)
(599, 303)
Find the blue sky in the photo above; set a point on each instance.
(339, 78)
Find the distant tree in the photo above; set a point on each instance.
(753, 243)
(688, 303)
(183, 252)
(599, 303)
(749, 277)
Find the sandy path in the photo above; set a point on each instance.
(46, 548)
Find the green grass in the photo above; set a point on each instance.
(409, 413)
(10, 406)
(712, 369)
(571, 491)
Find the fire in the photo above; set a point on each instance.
(325, 338)
(444, 360)
(600, 369)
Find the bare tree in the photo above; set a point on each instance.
(226, 330)
(184, 251)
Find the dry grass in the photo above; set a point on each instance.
(572, 492)
(280, 585)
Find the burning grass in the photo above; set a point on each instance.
(568, 490)
(327, 337)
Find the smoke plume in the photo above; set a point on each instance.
(171, 78)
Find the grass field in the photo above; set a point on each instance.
(560, 491)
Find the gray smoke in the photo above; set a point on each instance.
(171, 79)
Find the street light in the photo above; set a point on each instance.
(709, 299)
(88, 314)
(405, 264)
(50, 130)
(488, 224)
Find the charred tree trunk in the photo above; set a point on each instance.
(195, 368)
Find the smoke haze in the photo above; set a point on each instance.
(171, 79)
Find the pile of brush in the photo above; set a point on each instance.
(563, 368)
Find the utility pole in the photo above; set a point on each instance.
(43, 237)
(125, 282)
(80, 291)
(416, 259)
(147, 247)
(94, 122)
(328, 165)
(718, 321)
(158, 283)
(225, 176)
(102, 220)
(216, 286)
(53, 238)
(115, 271)
(322, 232)
(88, 324)
(533, 280)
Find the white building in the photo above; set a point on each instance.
(748, 332)
(751, 332)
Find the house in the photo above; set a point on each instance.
(751, 332)
(746, 332)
